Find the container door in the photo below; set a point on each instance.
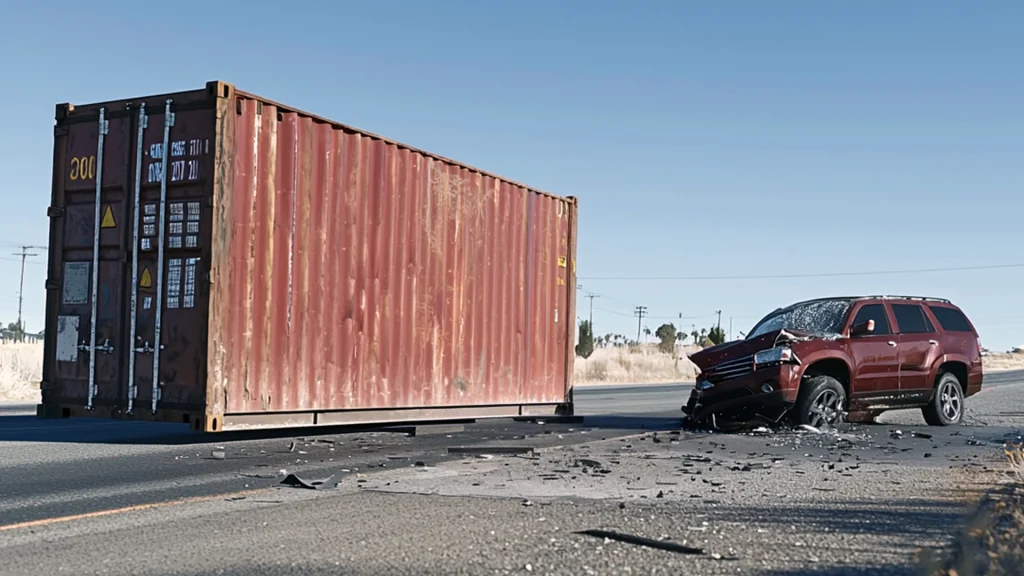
(130, 322)
(165, 336)
(92, 244)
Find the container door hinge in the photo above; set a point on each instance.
(52, 284)
(104, 127)
(54, 211)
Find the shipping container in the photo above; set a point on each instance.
(222, 260)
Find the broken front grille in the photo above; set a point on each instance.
(730, 369)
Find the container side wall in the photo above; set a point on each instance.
(361, 274)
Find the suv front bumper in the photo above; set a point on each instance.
(765, 394)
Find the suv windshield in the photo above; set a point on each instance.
(818, 317)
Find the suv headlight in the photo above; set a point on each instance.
(775, 355)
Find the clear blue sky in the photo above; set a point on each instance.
(702, 138)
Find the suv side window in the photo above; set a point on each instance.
(911, 319)
(877, 313)
(951, 319)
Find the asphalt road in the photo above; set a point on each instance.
(74, 481)
(58, 468)
(55, 468)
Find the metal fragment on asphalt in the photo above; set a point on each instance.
(641, 541)
(490, 450)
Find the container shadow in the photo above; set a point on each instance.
(17, 426)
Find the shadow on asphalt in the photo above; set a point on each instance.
(911, 523)
(27, 428)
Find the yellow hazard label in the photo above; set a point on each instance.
(561, 261)
(108, 218)
(146, 280)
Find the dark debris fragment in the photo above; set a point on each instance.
(297, 482)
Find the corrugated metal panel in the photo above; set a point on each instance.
(363, 274)
(308, 266)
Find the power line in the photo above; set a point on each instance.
(19, 260)
(810, 275)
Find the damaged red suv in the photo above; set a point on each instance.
(819, 361)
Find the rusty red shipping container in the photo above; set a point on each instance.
(222, 260)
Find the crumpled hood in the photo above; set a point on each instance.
(709, 357)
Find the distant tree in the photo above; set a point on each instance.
(585, 345)
(647, 333)
(16, 332)
(667, 334)
(681, 336)
(716, 335)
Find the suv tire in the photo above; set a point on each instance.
(946, 407)
(821, 403)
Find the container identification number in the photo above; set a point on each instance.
(181, 170)
(83, 168)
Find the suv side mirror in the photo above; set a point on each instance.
(865, 328)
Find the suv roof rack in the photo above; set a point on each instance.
(898, 297)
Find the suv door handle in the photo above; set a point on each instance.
(891, 343)
(933, 342)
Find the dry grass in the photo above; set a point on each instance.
(992, 540)
(1004, 361)
(21, 367)
(640, 365)
(647, 365)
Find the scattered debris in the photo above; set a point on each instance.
(810, 428)
(641, 541)
(218, 455)
(490, 450)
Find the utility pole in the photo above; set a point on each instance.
(21, 288)
(641, 311)
(592, 296)
(719, 312)
(730, 328)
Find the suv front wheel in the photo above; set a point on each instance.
(947, 405)
(821, 403)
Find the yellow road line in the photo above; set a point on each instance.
(136, 508)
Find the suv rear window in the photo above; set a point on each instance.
(951, 319)
(911, 319)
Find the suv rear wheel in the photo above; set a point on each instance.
(947, 405)
(821, 402)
